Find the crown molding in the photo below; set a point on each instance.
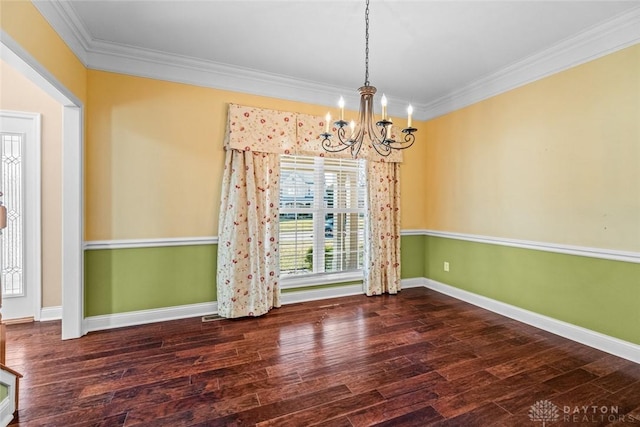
(65, 21)
(130, 60)
(607, 37)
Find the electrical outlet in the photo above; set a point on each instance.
(446, 266)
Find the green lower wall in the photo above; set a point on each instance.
(593, 293)
(596, 294)
(4, 392)
(412, 256)
(121, 280)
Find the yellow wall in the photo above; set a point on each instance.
(154, 157)
(22, 21)
(20, 94)
(554, 161)
(557, 160)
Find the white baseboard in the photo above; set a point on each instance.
(599, 341)
(414, 282)
(132, 318)
(319, 294)
(50, 313)
(579, 334)
(119, 320)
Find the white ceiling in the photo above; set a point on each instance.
(437, 55)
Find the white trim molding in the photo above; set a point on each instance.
(72, 180)
(72, 221)
(413, 282)
(6, 411)
(320, 294)
(143, 317)
(607, 37)
(8, 404)
(15, 55)
(610, 254)
(304, 280)
(575, 333)
(150, 243)
(413, 232)
(51, 313)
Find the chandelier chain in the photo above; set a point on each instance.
(366, 50)
(378, 133)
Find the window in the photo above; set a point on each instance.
(322, 217)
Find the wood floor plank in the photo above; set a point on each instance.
(421, 417)
(488, 414)
(394, 407)
(327, 411)
(416, 358)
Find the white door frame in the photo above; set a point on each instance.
(32, 214)
(72, 181)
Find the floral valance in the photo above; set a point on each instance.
(272, 131)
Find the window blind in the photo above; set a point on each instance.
(322, 214)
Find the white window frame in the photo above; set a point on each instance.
(319, 277)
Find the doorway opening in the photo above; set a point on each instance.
(72, 178)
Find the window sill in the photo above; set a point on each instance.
(299, 281)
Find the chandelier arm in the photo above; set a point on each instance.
(342, 135)
(379, 140)
(356, 142)
(342, 144)
(409, 139)
(377, 137)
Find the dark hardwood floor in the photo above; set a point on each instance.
(416, 359)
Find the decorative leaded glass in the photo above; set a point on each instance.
(11, 152)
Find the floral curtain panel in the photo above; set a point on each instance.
(248, 261)
(382, 247)
(248, 264)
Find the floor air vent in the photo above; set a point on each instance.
(211, 318)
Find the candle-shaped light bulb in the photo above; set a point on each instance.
(409, 113)
(327, 121)
(341, 105)
(352, 125)
(383, 101)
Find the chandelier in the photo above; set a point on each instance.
(352, 135)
